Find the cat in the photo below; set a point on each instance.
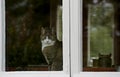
(51, 49)
(105, 60)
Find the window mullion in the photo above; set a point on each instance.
(76, 66)
(1, 33)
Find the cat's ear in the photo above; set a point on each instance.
(110, 55)
(99, 54)
(42, 30)
(53, 31)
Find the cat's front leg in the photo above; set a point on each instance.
(46, 59)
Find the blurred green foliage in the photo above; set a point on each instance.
(101, 29)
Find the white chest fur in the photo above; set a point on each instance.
(47, 42)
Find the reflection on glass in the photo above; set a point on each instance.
(100, 34)
(34, 35)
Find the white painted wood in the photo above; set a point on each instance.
(0, 37)
(33, 74)
(97, 74)
(3, 36)
(75, 37)
(64, 73)
(66, 35)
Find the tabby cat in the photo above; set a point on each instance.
(51, 49)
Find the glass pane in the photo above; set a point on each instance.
(34, 35)
(101, 34)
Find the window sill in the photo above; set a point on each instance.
(99, 69)
(30, 68)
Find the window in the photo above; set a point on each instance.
(34, 35)
(11, 13)
(73, 60)
(99, 35)
(78, 56)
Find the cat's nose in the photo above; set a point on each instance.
(47, 40)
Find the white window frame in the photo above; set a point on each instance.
(72, 41)
(66, 61)
(76, 44)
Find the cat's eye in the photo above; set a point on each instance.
(43, 37)
(52, 37)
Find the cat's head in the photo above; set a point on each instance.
(104, 56)
(105, 60)
(48, 36)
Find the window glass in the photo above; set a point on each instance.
(100, 31)
(33, 35)
(100, 39)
